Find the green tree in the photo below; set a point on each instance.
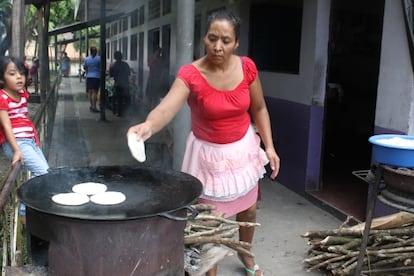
(61, 14)
(5, 26)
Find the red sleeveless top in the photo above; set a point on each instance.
(219, 116)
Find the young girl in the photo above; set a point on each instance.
(18, 135)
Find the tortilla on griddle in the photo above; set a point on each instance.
(70, 199)
(108, 198)
(89, 188)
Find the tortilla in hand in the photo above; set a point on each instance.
(136, 147)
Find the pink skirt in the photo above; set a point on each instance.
(228, 172)
(231, 208)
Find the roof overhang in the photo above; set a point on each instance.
(91, 9)
(83, 25)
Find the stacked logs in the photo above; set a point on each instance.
(206, 232)
(390, 246)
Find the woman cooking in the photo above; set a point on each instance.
(223, 151)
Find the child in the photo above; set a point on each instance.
(18, 135)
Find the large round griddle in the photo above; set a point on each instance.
(148, 191)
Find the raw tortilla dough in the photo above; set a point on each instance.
(397, 141)
(137, 148)
(89, 188)
(71, 199)
(108, 198)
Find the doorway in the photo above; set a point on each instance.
(352, 80)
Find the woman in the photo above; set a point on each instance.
(92, 67)
(222, 150)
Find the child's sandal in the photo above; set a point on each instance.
(253, 270)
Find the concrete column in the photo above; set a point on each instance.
(185, 41)
(18, 38)
(102, 52)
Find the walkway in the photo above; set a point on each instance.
(80, 138)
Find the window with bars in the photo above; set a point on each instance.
(276, 49)
(108, 52)
(134, 47)
(154, 7)
(166, 7)
(141, 20)
(114, 28)
(113, 47)
(124, 24)
(125, 47)
(134, 18)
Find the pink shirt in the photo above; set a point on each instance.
(218, 116)
(18, 111)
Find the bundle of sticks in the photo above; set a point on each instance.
(205, 236)
(390, 246)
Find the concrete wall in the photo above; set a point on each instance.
(394, 112)
(295, 103)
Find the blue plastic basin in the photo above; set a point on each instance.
(392, 155)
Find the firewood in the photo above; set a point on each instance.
(387, 222)
(356, 233)
(337, 250)
(219, 218)
(401, 243)
(330, 240)
(213, 232)
(204, 207)
(320, 257)
(207, 233)
(331, 260)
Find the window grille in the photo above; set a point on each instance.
(154, 7)
(125, 47)
(166, 7)
(134, 47)
(141, 20)
(134, 18)
(124, 24)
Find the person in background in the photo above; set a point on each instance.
(134, 90)
(29, 78)
(34, 74)
(120, 71)
(156, 87)
(224, 93)
(65, 65)
(18, 135)
(92, 67)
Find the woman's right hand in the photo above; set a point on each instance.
(142, 131)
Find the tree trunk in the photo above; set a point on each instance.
(17, 41)
(43, 14)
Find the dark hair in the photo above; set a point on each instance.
(224, 14)
(118, 55)
(4, 62)
(94, 51)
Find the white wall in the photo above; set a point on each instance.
(308, 87)
(395, 85)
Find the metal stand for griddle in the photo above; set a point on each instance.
(374, 193)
